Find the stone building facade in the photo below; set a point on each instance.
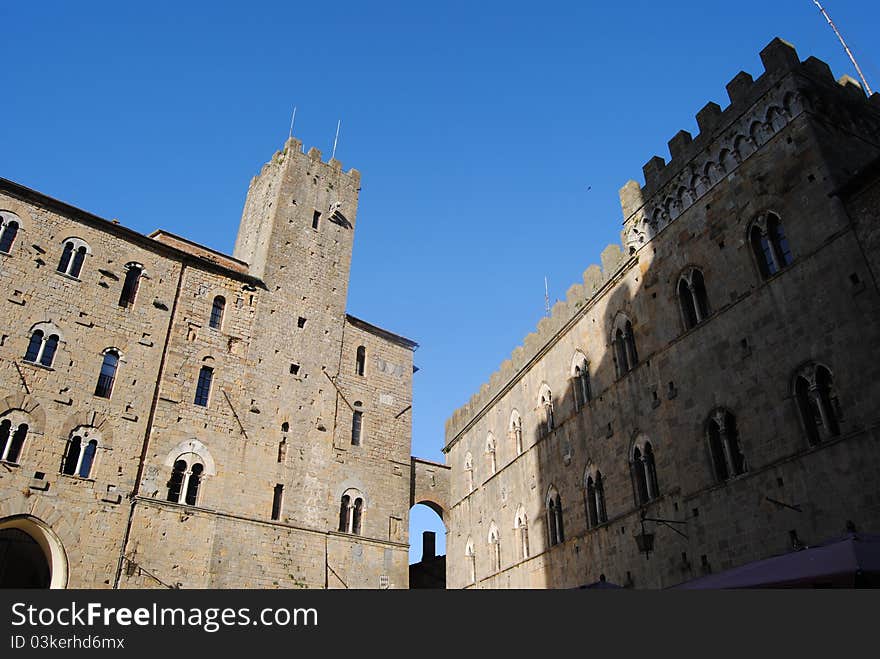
(175, 417)
(717, 372)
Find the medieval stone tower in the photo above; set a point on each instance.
(176, 417)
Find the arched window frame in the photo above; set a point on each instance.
(817, 402)
(134, 272)
(693, 301)
(643, 470)
(555, 526)
(491, 457)
(14, 428)
(360, 362)
(726, 457)
(469, 471)
(218, 311)
(494, 541)
(545, 403)
(192, 471)
(79, 461)
(43, 344)
(204, 383)
(580, 381)
(769, 244)
(521, 528)
(351, 511)
(10, 226)
(623, 345)
(73, 253)
(471, 558)
(106, 376)
(516, 432)
(594, 497)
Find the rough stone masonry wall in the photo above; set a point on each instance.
(293, 317)
(742, 359)
(90, 514)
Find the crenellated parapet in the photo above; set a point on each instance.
(577, 298)
(758, 110)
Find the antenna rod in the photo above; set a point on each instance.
(546, 297)
(845, 47)
(335, 139)
(292, 118)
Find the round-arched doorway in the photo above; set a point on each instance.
(31, 555)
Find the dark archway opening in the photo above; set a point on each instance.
(22, 561)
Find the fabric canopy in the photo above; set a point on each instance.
(849, 561)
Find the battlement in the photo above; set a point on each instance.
(577, 299)
(758, 109)
(293, 148)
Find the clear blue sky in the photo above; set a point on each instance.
(492, 137)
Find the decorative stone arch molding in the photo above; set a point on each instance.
(192, 447)
(26, 405)
(48, 328)
(15, 210)
(89, 419)
(45, 536)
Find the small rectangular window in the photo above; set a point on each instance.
(294, 369)
(277, 501)
(315, 218)
(301, 322)
(356, 423)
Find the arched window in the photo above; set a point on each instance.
(769, 244)
(133, 273)
(521, 528)
(817, 402)
(554, 517)
(623, 344)
(469, 471)
(595, 498)
(547, 409)
(644, 472)
(82, 447)
(516, 431)
(357, 423)
(203, 387)
(107, 376)
(218, 307)
(490, 454)
(12, 436)
(471, 560)
(692, 298)
(360, 361)
(580, 381)
(494, 548)
(73, 255)
(185, 483)
(8, 231)
(351, 512)
(725, 455)
(42, 345)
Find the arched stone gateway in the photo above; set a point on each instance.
(430, 485)
(31, 555)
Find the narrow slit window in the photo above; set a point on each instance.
(315, 218)
(130, 286)
(277, 501)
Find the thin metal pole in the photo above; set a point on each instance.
(292, 118)
(336, 139)
(845, 47)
